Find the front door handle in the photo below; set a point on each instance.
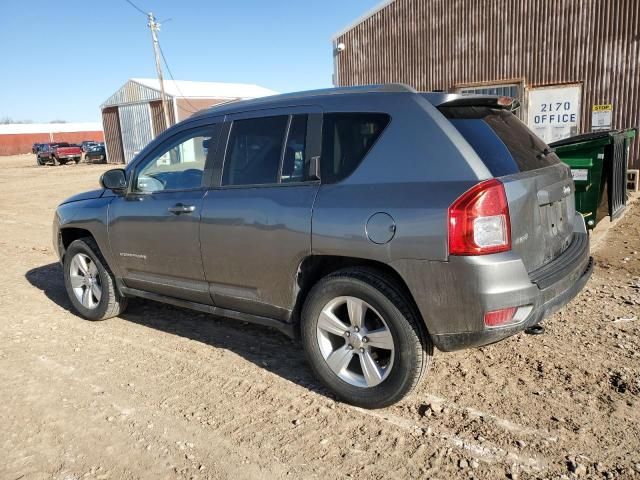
(179, 208)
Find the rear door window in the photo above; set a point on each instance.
(346, 140)
(501, 140)
(253, 151)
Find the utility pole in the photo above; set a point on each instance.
(155, 27)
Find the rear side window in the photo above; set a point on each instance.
(253, 151)
(500, 139)
(346, 139)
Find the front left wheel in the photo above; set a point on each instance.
(363, 338)
(89, 282)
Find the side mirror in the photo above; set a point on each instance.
(115, 179)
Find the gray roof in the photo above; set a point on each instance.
(148, 89)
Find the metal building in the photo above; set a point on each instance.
(573, 64)
(133, 115)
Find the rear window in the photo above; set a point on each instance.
(500, 139)
(346, 140)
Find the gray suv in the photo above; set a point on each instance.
(374, 222)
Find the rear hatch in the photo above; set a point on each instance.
(539, 187)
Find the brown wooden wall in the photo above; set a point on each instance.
(439, 44)
(112, 135)
(157, 116)
(188, 106)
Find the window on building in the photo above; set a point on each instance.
(253, 151)
(346, 139)
(513, 90)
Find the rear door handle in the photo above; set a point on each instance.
(179, 208)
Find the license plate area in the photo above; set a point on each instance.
(557, 225)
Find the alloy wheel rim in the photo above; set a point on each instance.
(355, 341)
(85, 280)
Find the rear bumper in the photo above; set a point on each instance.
(453, 296)
(556, 297)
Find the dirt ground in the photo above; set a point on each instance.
(168, 393)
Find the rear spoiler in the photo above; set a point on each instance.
(506, 103)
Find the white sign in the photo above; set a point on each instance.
(580, 174)
(601, 117)
(554, 112)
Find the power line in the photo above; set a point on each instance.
(154, 26)
(195, 109)
(136, 7)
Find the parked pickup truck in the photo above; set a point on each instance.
(59, 153)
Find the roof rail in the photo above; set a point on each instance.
(379, 88)
(383, 87)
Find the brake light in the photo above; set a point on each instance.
(479, 221)
(499, 317)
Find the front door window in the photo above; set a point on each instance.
(179, 167)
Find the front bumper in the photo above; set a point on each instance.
(453, 296)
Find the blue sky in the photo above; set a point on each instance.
(62, 58)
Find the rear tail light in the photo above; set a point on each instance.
(499, 317)
(479, 221)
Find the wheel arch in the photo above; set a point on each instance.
(69, 234)
(315, 267)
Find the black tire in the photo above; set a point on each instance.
(77, 160)
(40, 162)
(111, 303)
(413, 349)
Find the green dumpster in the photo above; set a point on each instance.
(598, 162)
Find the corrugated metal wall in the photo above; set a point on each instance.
(131, 92)
(135, 127)
(112, 139)
(439, 44)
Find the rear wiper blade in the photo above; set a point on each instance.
(545, 152)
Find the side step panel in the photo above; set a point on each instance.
(286, 328)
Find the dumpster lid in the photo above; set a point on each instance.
(583, 137)
(590, 136)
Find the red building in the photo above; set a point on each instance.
(18, 138)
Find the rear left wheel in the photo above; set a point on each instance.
(363, 338)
